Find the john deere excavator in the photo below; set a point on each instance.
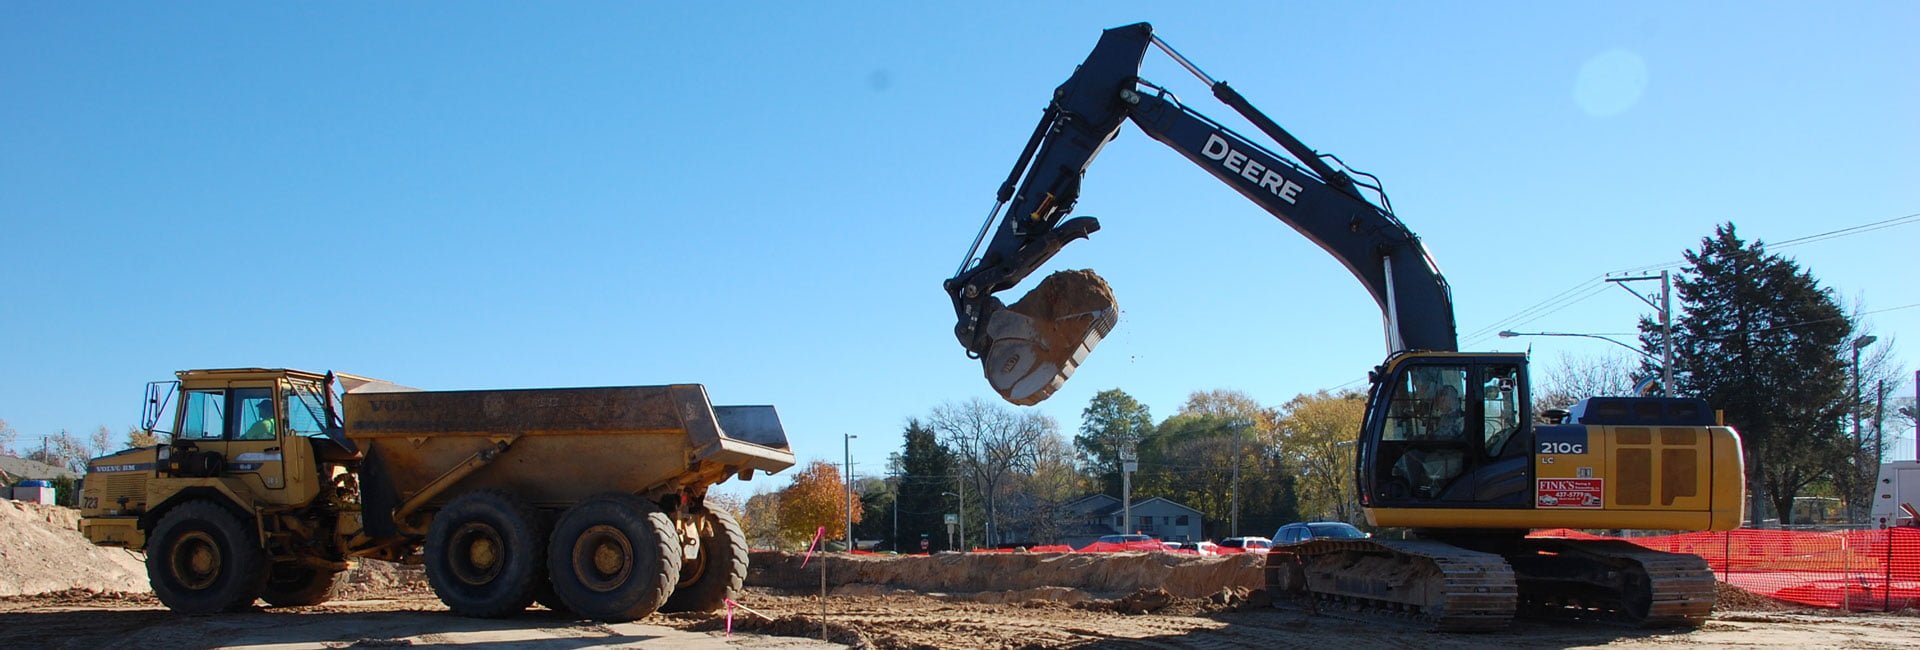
(1449, 447)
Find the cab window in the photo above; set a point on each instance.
(1426, 404)
(205, 415)
(1500, 405)
(255, 416)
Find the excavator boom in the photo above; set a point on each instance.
(1030, 348)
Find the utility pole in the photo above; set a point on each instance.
(1859, 440)
(1128, 463)
(1665, 306)
(1239, 434)
(1879, 424)
(847, 443)
(1666, 335)
(960, 495)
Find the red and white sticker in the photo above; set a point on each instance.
(1568, 493)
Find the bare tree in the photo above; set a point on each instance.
(760, 518)
(990, 444)
(1578, 377)
(7, 435)
(102, 441)
(63, 449)
(1878, 382)
(1042, 489)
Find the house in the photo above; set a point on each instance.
(1086, 519)
(14, 469)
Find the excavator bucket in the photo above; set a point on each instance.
(1036, 344)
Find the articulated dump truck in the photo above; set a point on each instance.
(587, 500)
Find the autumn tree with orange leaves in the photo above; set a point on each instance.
(816, 499)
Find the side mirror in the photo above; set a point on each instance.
(159, 396)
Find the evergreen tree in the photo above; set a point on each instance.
(877, 497)
(926, 472)
(1112, 421)
(1760, 339)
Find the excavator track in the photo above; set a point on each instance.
(1445, 587)
(1613, 581)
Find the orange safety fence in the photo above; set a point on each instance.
(1861, 570)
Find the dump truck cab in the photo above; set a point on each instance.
(257, 438)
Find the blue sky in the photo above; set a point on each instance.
(765, 197)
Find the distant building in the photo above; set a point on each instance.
(14, 469)
(1086, 519)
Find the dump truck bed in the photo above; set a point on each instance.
(555, 446)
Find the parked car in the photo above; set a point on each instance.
(1202, 548)
(1125, 539)
(1299, 532)
(1257, 545)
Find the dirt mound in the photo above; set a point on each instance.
(1182, 576)
(380, 579)
(83, 598)
(42, 551)
(1067, 295)
(1734, 599)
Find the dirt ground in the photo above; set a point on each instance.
(874, 617)
(75, 599)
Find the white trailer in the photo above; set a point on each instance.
(1896, 495)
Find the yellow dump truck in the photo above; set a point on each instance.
(588, 500)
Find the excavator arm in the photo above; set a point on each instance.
(1031, 348)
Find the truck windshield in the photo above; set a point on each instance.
(306, 413)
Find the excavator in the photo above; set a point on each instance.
(1449, 449)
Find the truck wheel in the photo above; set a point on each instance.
(483, 554)
(614, 558)
(719, 573)
(201, 560)
(293, 585)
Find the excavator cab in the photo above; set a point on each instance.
(1447, 430)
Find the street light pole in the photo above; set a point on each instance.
(1666, 365)
(1859, 343)
(1239, 430)
(847, 442)
(1128, 463)
(1859, 458)
(961, 497)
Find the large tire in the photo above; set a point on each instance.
(614, 558)
(719, 573)
(484, 553)
(295, 585)
(201, 559)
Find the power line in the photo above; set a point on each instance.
(1573, 294)
(1809, 322)
(1852, 230)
